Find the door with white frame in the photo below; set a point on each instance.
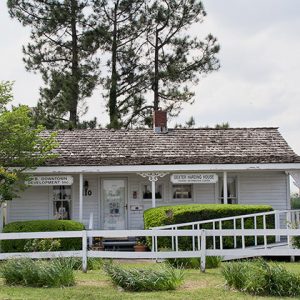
(114, 204)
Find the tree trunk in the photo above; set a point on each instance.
(113, 113)
(156, 73)
(75, 76)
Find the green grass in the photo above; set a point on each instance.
(96, 285)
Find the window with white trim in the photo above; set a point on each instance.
(182, 191)
(147, 191)
(231, 190)
(62, 202)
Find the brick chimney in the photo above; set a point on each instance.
(160, 121)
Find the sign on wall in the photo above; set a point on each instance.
(51, 180)
(194, 178)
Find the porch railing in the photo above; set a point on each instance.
(283, 219)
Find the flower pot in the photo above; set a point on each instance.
(140, 248)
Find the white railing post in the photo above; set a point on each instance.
(203, 250)
(221, 237)
(277, 225)
(173, 247)
(81, 197)
(193, 237)
(84, 251)
(225, 192)
(234, 237)
(243, 234)
(265, 227)
(1, 216)
(255, 227)
(91, 222)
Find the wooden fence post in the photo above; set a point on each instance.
(84, 251)
(203, 250)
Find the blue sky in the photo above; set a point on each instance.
(257, 85)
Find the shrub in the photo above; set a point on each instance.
(41, 226)
(38, 273)
(165, 278)
(212, 262)
(92, 263)
(260, 278)
(168, 215)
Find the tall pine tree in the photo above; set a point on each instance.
(126, 80)
(176, 59)
(64, 40)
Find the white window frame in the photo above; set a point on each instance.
(218, 191)
(53, 200)
(191, 199)
(148, 183)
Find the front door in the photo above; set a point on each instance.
(114, 204)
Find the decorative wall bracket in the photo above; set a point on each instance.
(153, 176)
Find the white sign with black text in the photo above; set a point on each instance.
(50, 180)
(194, 178)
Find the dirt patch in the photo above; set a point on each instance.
(98, 283)
(195, 284)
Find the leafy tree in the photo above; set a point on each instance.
(63, 44)
(21, 146)
(126, 81)
(190, 123)
(175, 58)
(224, 125)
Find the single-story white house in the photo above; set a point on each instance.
(110, 175)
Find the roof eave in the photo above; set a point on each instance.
(166, 168)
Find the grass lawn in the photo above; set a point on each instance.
(96, 285)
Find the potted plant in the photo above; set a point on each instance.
(140, 245)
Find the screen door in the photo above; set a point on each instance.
(114, 204)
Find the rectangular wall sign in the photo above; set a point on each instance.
(51, 180)
(194, 178)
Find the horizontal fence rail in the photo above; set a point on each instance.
(226, 243)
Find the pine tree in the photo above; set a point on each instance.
(126, 80)
(64, 40)
(176, 59)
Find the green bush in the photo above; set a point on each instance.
(260, 278)
(165, 278)
(295, 203)
(168, 215)
(38, 273)
(212, 262)
(41, 226)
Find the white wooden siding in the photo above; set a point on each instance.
(32, 205)
(90, 203)
(253, 188)
(264, 188)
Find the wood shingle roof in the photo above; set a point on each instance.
(103, 147)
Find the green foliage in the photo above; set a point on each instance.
(21, 145)
(64, 39)
(37, 245)
(92, 263)
(260, 278)
(133, 279)
(167, 215)
(38, 273)
(212, 262)
(42, 226)
(125, 82)
(295, 202)
(176, 59)
(222, 126)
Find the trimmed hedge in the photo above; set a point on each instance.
(168, 215)
(42, 226)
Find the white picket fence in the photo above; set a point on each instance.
(198, 240)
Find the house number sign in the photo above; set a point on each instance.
(194, 178)
(50, 180)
